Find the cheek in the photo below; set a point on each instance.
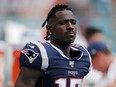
(57, 33)
(95, 63)
(76, 29)
(59, 30)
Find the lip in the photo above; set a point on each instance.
(70, 33)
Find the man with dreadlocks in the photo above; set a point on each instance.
(57, 63)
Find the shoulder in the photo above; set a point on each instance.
(31, 51)
(84, 51)
(34, 46)
(32, 55)
(81, 48)
(85, 57)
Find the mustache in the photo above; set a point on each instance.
(70, 32)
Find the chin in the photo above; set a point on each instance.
(69, 41)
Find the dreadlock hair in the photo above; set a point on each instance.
(51, 14)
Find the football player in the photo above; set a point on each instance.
(57, 63)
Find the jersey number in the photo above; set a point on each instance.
(63, 82)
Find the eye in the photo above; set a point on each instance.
(61, 22)
(73, 21)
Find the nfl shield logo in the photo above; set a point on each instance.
(71, 63)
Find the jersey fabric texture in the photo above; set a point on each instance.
(59, 69)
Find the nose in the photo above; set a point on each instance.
(70, 26)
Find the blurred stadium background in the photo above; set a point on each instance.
(21, 20)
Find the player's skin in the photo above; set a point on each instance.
(63, 32)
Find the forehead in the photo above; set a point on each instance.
(65, 14)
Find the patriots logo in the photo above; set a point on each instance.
(30, 54)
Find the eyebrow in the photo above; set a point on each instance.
(67, 19)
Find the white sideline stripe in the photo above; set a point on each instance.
(44, 55)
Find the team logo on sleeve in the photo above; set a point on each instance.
(30, 54)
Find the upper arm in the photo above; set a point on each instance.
(31, 66)
(28, 77)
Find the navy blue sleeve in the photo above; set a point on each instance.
(30, 56)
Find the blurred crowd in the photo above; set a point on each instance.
(21, 20)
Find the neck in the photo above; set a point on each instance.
(62, 46)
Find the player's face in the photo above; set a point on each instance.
(64, 27)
